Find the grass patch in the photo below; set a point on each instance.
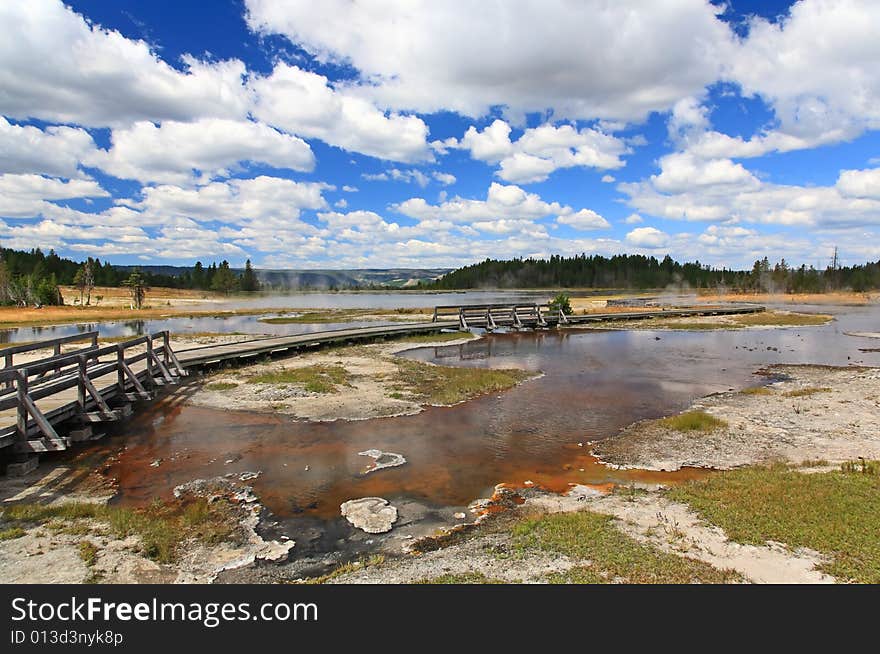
(692, 421)
(448, 385)
(809, 390)
(780, 319)
(836, 513)
(88, 552)
(12, 533)
(318, 378)
(613, 555)
(462, 578)
(221, 386)
(163, 528)
(756, 390)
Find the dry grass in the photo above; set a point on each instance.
(806, 392)
(781, 319)
(756, 390)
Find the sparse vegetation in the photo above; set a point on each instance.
(345, 568)
(162, 527)
(756, 390)
(612, 555)
(835, 513)
(809, 390)
(88, 552)
(862, 466)
(780, 319)
(463, 578)
(12, 533)
(446, 385)
(692, 421)
(317, 378)
(221, 386)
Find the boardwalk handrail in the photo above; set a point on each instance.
(7, 352)
(32, 382)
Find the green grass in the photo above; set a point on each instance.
(162, 528)
(836, 513)
(11, 533)
(612, 555)
(463, 578)
(692, 421)
(318, 378)
(221, 386)
(447, 385)
(88, 552)
(809, 390)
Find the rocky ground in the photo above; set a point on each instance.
(812, 412)
(69, 548)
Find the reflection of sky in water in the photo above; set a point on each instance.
(595, 383)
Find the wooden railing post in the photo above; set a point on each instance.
(81, 383)
(120, 368)
(166, 344)
(22, 387)
(7, 360)
(150, 379)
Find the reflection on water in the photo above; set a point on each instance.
(133, 328)
(595, 383)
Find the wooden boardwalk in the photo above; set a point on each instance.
(92, 385)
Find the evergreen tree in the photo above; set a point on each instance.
(249, 281)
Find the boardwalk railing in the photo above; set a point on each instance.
(492, 316)
(132, 376)
(531, 316)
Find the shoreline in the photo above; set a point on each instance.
(637, 517)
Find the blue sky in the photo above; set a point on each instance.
(424, 134)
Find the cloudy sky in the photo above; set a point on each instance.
(421, 133)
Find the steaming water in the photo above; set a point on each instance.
(595, 383)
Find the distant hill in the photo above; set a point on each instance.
(320, 279)
(357, 278)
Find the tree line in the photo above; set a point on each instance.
(636, 271)
(33, 277)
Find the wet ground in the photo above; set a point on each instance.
(595, 383)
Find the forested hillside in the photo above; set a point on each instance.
(636, 271)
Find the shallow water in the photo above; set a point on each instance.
(594, 384)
